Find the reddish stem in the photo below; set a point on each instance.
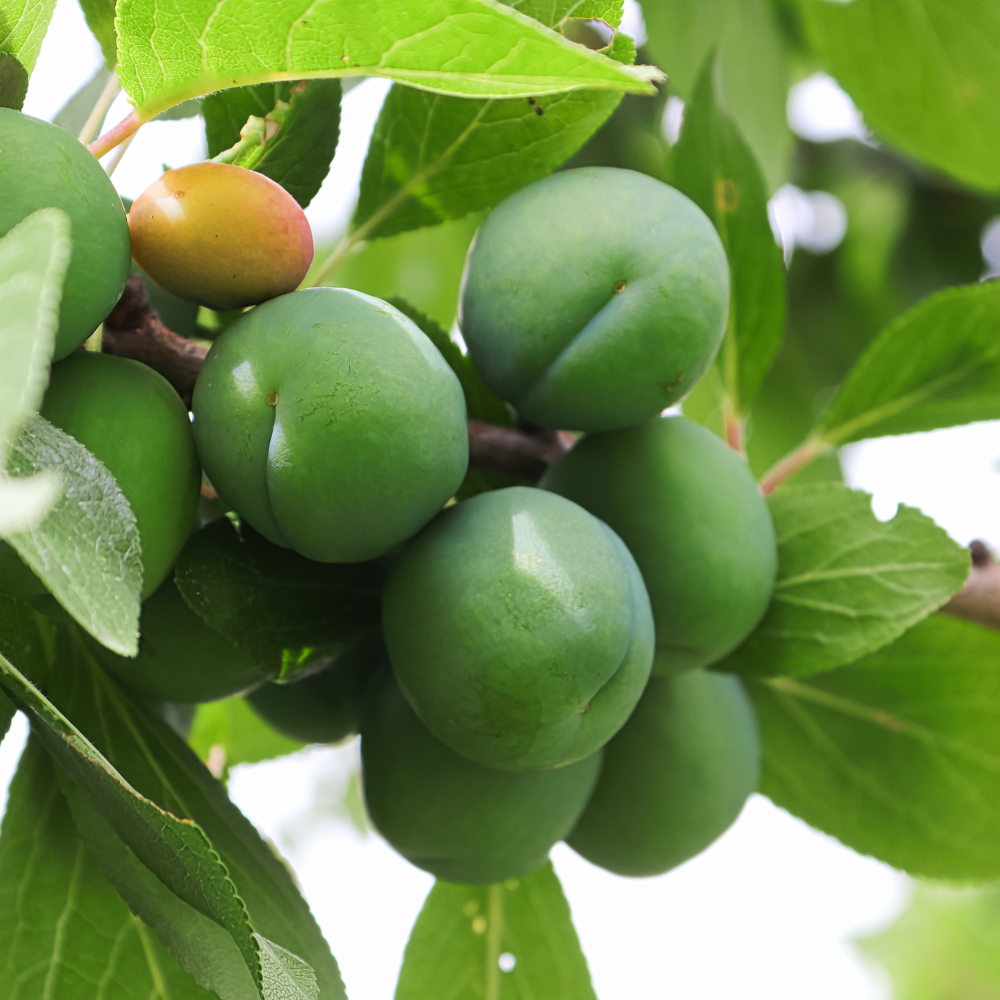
(116, 136)
(791, 464)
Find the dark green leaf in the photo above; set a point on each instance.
(23, 24)
(848, 583)
(27, 638)
(466, 936)
(157, 764)
(86, 550)
(243, 736)
(716, 169)
(480, 402)
(13, 82)
(935, 366)
(271, 602)
(898, 755)
(467, 48)
(227, 111)
(754, 69)
(64, 931)
(7, 712)
(73, 115)
(923, 73)
(292, 141)
(435, 158)
(100, 15)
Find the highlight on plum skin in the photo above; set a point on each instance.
(220, 235)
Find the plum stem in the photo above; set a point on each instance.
(735, 430)
(115, 136)
(793, 462)
(100, 108)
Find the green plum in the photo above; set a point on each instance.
(674, 779)
(331, 423)
(325, 706)
(690, 512)
(455, 819)
(131, 418)
(182, 659)
(519, 628)
(595, 298)
(41, 166)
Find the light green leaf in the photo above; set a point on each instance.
(100, 15)
(171, 51)
(434, 158)
(715, 168)
(294, 140)
(937, 365)
(64, 931)
(848, 583)
(924, 75)
(244, 736)
(87, 550)
(73, 115)
(23, 24)
(13, 82)
(160, 768)
(34, 256)
(554, 12)
(464, 933)
(754, 69)
(898, 755)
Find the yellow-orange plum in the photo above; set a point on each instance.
(220, 235)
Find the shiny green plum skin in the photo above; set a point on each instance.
(455, 819)
(326, 706)
(181, 658)
(41, 166)
(595, 298)
(674, 779)
(135, 423)
(690, 512)
(331, 423)
(519, 629)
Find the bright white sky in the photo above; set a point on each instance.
(769, 911)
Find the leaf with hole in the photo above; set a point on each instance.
(848, 583)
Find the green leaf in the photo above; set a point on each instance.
(23, 24)
(271, 602)
(937, 365)
(462, 47)
(924, 75)
(293, 142)
(27, 638)
(64, 931)
(554, 12)
(848, 583)
(34, 256)
(13, 82)
(73, 115)
(898, 755)
(7, 712)
(233, 725)
(462, 931)
(100, 15)
(715, 168)
(144, 752)
(86, 550)
(753, 66)
(178, 853)
(943, 946)
(481, 403)
(434, 158)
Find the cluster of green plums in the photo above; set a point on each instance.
(537, 671)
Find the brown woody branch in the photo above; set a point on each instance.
(133, 330)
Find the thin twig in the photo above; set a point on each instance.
(979, 599)
(117, 135)
(100, 109)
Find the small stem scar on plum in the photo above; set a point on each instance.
(271, 398)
